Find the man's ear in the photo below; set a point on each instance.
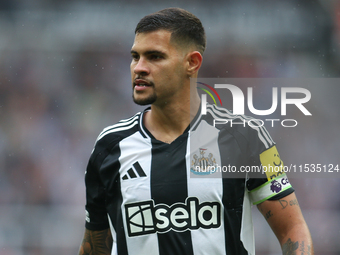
(194, 62)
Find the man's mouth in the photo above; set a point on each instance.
(141, 83)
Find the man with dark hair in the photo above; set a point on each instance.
(185, 28)
(140, 196)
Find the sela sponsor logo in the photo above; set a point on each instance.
(277, 185)
(144, 217)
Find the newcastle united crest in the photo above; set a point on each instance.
(203, 165)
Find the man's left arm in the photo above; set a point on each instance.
(287, 222)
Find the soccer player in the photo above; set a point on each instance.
(145, 193)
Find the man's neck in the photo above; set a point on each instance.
(168, 122)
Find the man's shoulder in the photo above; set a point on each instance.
(239, 125)
(121, 128)
(218, 112)
(112, 134)
(223, 118)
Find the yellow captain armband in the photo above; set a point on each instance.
(271, 162)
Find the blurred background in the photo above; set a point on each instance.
(64, 76)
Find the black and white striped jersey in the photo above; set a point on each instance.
(159, 198)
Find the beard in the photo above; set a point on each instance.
(144, 101)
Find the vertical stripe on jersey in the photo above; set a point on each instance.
(169, 186)
(233, 193)
(107, 166)
(206, 188)
(226, 150)
(136, 156)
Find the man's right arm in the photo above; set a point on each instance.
(96, 242)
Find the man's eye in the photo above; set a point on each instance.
(155, 57)
(135, 57)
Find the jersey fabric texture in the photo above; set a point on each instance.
(156, 200)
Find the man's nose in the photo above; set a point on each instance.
(141, 67)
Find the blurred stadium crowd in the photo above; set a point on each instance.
(64, 76)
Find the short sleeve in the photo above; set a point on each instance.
(274, 183)
(96, 214)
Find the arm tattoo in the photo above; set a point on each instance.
(266, 215)
(285, 203)
(96, 243)
(291, 248)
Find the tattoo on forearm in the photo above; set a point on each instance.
(96, 243)
(302, 247)
(285, 203)
(268, 215)
(291, 248)
(309, 252)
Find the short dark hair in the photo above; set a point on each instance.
(185, 27)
